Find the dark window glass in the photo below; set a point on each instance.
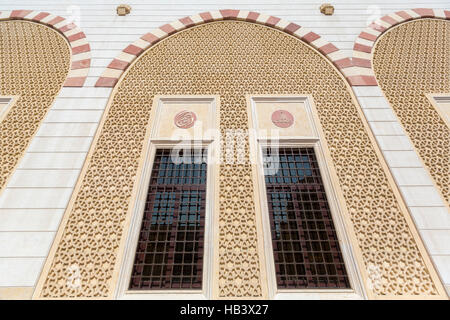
(305, 245)
(169, 253)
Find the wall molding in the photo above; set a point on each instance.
(365, 42)
(118, 65)
(81, 50)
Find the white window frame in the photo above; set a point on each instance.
(4, 110)
(154, 143)
(436, 99)
(331, 189)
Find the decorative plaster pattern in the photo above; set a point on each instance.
(232, 58)
(364, 44)
(81, 50)
(357, 70)
(115, 69)
(34, 62)
(411, 61)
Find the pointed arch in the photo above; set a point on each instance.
(81, 50)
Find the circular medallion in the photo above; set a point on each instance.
(282, 118)
(185, 119)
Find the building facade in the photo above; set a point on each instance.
(274, 150)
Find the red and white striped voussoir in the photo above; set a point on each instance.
(116, 68)
(81, 51)
(362, 49)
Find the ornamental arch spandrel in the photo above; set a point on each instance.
(233, 59)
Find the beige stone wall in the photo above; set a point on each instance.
(39, 190)
(34, 63)
(410, 61)
(412, 64)
(232, 59)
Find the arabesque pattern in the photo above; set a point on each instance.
(34, 63)
(115, 69)
(231, 59)
(364, 44)
(80, 48)
(409, 62)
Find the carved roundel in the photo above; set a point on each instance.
(282, 118)
(185, 119)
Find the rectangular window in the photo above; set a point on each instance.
(169, 252)
(305, 245)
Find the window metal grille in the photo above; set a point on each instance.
(305, 244)
(169, 253)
